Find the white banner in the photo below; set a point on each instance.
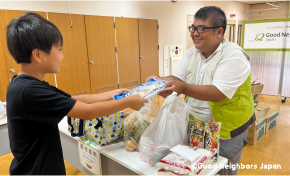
(266, 35)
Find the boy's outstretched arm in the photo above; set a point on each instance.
(93, 98)
(91, 111)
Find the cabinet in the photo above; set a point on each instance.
(4, 81)
(148, 39)
(74, 77)
(102, 53)
(128, 52)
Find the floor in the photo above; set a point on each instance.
(270, 149)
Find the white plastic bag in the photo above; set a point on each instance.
(167, 130)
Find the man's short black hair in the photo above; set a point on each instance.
(28, 32)
(217, 16)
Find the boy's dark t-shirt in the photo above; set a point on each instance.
(34, 109)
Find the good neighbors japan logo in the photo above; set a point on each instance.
(266, 35)
(271, 36)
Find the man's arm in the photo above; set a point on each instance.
(167, 78)
(200, 92)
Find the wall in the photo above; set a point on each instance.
(268, 14)
(172, 17)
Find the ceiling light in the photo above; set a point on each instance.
(272, 5)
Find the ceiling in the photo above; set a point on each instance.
(254, 2)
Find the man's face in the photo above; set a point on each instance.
(206, 39)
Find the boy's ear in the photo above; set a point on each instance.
(36, 55)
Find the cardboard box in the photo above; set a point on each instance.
(272, 119)
(258, 128)
(261, 113)
(256, 91)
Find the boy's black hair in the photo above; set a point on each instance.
(217, 16)
(28, 32)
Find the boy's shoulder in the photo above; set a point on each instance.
(21, 82)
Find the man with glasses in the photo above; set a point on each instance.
(215, 76)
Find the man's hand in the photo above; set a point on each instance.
(155, 77)
(136, 102)
(177, 86)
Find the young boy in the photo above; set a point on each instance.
(34, 108)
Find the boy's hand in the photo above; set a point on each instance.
(119, 91)
(155, 77)
(137, 102)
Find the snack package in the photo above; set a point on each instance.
(181, 165)
(146, 90)
(137, 122)
(212, 137)
(196, 131)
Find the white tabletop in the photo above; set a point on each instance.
(131, 160)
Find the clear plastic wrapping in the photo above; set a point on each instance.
(146, 90)
(137, 122)
(174, 163)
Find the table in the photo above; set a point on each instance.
(114, 160)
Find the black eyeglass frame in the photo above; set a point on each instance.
(203, 28)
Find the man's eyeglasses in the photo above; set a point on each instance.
(200, 29)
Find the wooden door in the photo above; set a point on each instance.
(148, 41)
(102, 53)
(6, 16)
(4, 80)
(128, 52)
(73, 77)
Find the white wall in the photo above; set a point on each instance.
(269, 14)
(172, 17)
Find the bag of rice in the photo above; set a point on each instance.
(181, 165)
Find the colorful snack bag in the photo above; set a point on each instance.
(196, 131)
(212, 137)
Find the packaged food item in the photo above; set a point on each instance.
(130, 145)
(169, 172)
(196, 131)
(137, 122)
(127, 111)
(212, 137)
(146, 90)
(181, 165)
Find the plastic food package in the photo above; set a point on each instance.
(181, 165)
(136, 123)
(146, 90)
(212, 137)
(167, 130)
(196, 131)
(169, 172)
